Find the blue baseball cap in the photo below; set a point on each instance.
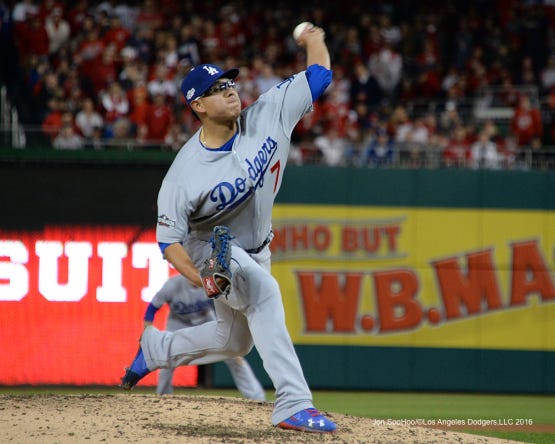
(201, 77)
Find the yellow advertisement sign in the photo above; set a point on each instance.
(455, 278)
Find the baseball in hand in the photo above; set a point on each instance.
(299, 29)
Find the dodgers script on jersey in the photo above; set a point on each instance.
(235, 188)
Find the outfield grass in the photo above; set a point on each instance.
(386, 405)
(394, 405)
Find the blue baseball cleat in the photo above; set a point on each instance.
(309, 420)
(136, 372)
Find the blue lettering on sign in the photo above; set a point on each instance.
(229, 194)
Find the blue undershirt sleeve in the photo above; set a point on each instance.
(318, 79)
(163, 246)
(150, 312)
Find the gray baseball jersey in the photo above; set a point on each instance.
(206, 187)
(188, 304)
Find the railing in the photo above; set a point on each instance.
(12, 132)
(405, 156)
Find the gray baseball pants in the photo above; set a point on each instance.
(251, 315)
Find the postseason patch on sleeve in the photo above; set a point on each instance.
(165, 221)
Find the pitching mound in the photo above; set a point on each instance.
(135, 418)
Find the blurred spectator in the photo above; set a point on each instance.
(457, 153)
(23, 10)
(181, 70)
(105, 69)
(188, 48)
(114, 103)
(527, 74)
(550, 108)
(428, 82)
(162, 83)
(342, 84)
(52, 121)
(170, 55)
(33, 38)
(232, 34)
(449, 119)
(484, 153)
(143, 42)
(58, 30)
(46, 7)
(400, 125)
(45, 89)
(89, 52)
(96, 141)
(310, 154)
(119, 133)
(68, 139)
(310, 125)
(379, 152)
(159, 119)
(364, 87)
(133, 70)
(526, 123)
(332, 146)
(464, 41)
(548, 75)
(335, 113)
(266, 78)
(450, 79)
(139, 106)
(176, 137)
(420, 132)
(116, 34)
(88, 119)
(414, 144)
(149, 16)
(390, 33)
(386, 66)
(76, 15)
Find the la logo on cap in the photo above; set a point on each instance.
(211, 70)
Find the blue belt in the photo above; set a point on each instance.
(261, 247)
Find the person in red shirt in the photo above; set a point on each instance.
(149, 16)
(428, 62)
(526, 123)
(139, 105)
(88, 52)
(33, 38)
(159, 119)
(105, 69)
(52, 122)
(457, 153)
(77, 13)
(551, 111)
(116, 34)
(114, 103)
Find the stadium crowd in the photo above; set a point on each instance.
(407, 75)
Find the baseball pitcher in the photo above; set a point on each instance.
(214, 226)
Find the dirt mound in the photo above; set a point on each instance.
(126, 418)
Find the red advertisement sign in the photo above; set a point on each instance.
(72, 301)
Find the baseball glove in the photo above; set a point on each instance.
(215, 272)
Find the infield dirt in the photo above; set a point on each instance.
(138, 418)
